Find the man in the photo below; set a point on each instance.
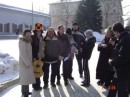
(122, 61)
(88, 46)
(79, 39)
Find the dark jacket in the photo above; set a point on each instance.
(35, 46)
(88, 46)
(79, 38)
(52, 49)
(104, 55)
(65, 45)
(123, 58)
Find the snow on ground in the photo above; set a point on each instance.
(99, 37)
(8, 60)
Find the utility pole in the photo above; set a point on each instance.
(32, 16)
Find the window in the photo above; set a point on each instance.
(1, 29)
(6, 27)
(14, 28)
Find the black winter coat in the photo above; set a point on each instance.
(123, 58)
(102, 70)
(88, 46)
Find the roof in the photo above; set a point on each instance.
(22, 10)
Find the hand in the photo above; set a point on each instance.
(61, 58)
(104, 45)
(112, 42)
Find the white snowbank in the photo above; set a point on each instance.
(99, 37)
(8, 67)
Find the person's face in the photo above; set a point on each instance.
(50, 33)
(61, 30)
(28, 34)
(108, 34)
(117, 34)
(75, 27)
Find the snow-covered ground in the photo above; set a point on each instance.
(8, 60)
(99, 37)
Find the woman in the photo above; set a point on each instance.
(105, 49)
(88, 46)
(52, 52)
(25, 62)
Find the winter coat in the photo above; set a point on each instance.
(102, 69)
(73, 46)
(25, 62)
(79, 39)
(88, 46)
(123, 58)
(37, 47)
(65, 45)
(52, 50)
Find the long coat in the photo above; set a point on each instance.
(25, 63)
(102, 70)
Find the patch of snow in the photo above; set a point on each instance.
(99, 37)
(8, 67)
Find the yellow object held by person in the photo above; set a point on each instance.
(37, 66)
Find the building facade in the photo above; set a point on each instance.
(63, 13)
(13, 19)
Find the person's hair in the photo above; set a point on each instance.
(109, 29)
(47, 32)
(69, 31)
(25, 31)
(118, 27)
(60, 27)
(88, 32)
(75, 23)
(58, 33)
(127, 28)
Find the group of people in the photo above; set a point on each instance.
(53, 49)
(113, 64)
(60, 47)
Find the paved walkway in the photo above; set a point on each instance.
(74, 89)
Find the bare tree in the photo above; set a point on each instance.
(65, 4)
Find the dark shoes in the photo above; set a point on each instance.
(45, 86)
(25, 96)
(30, 93)
(71, 78)
(100, 83)
(66, 83)
(81, 76)
(58, 83)
(85, 85)
(53, 85)
(38, 89)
